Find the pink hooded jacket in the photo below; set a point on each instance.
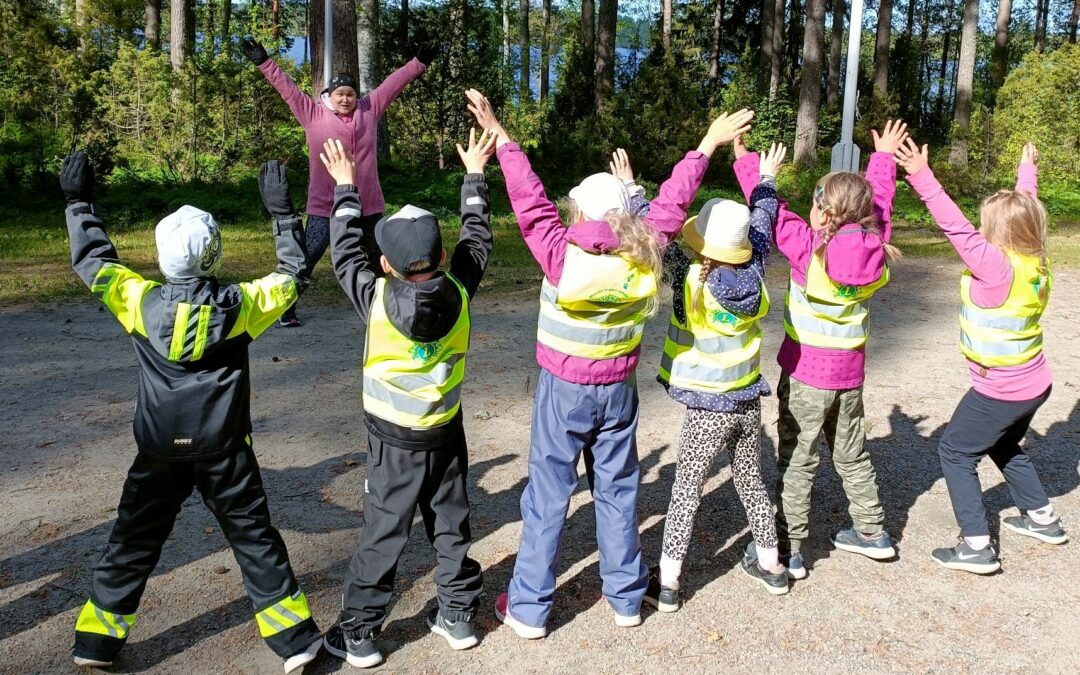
(356, 132)
(547, 238)
(856, 259)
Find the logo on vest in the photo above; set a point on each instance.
(425, 351)
(846, 292)
(720, 316)
(610, 295)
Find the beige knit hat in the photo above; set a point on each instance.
(720, 231)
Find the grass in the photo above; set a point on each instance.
(35, 262)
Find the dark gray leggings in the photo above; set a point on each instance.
(317, 240)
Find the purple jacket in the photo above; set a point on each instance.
(547, 238)
(356, 132)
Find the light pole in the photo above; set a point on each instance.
(328, 42)
(845, 154)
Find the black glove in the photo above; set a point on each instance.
(274, 188)
(77, 178)
(253, 51)
(427, 52)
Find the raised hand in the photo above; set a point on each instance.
(476, 157)
(253, 51)
(338, 162)
(739, 146)
(480, 107)
(911, 157)
(724, 129)
(771, 160)
(1030, 154)
(427, 52)
(620, 166)
(77, 178)
(274, 188)
(891, 138)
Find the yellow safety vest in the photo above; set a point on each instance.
(827, 314)
(413, 384)
(1009, 334)
(718, 351)
(599, 308)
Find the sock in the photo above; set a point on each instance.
(768, 558)
(978, 543)
(670, 570)
(1043, 516)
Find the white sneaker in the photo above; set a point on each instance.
(297, 661)
(91, 663)
(502, 613)
(623, 621)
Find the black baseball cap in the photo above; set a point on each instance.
(411, 241)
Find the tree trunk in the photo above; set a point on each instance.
(226, 27)
(776, 67)
(152, 30)
(909, 27)
(605, 51)
(506, 31)
(1074, 19)
(545, 51)
(796, 37)
(275, 18)
(714, 54)
(588, 30)
(80, 22)
(525, 53)
(459, 37)
(210, 32)
(924, 56)
(181, 32)
(367, 46)
(768, 9)
(665, 24)
(344, 40)
(965, 75)
(1042, 8)
(881, 49)
(1001, 44)
(836, 47)
(806, 124)
(943, 70)
(403, 24)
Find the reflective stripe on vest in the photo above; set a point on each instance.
(413, 384)
(1010, 334)
(718, 351)
(826, 314)
(589, 316)
(93, 619)
(289, 612)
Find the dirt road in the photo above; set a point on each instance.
(67, 388)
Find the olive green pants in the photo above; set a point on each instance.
(806, 412)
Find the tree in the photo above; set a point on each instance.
(367, 41)
(836, 45)
(226, 28)
(768, 9)
(965, 75)
(1042, 11)
(665, 24)
(152, 22)
(881, 49)
(605, 51)
(588, 29)
(181, 32)
(775, 68)
(1001, 44)
(806, 124)
(714, 53)
(506, 31)
(1074, 19)
(795, 39)
(344, 40)
(545, 51)
(526, 47)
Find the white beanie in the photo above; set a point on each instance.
(188, 244)
(600, 194)
(720, 231)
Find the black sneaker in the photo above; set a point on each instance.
(356, 646)
(963, 557)
(289, 319)
(1053, 533)
(777, 584)
(664, 599)
(459, 634)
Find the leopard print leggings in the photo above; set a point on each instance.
(704, 434)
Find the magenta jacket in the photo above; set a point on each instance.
(853, 259)
(992, 277)
(547, 237)
(356, 132)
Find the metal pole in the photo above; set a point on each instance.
(328, 42)
(845, 154)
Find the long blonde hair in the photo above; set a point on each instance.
(707, 266)
(1016, 221)
(848, 198)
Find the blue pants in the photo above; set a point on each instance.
(568, 418)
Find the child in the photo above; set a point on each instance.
(192, 418)
(837, 263)
(600, 280)
(1004, 292)
(711, 364)
(417, 334)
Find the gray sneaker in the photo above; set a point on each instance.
(777, 584)
(796, 566)
(877, 547)
(1053, 533)
(661, 597)
(354, 644)
(963, 557)
(459, 634)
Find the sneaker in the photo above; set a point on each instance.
(86, 662)
(877, 546)
(664, 599)
(1023, 524)
(300, 659)
(502, 613)
(777, 584)
(626, 621)
(796, 566)
(289, 321)
(963, 557)
(459, 634)
(356, 646)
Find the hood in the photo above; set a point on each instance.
(855, 256)
(738, 290)
(424, 311)
(594, 236)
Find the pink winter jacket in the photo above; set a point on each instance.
(547, 238)
(855, 259)
(992, 277)
(356, 132)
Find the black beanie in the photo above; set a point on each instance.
(341, 80)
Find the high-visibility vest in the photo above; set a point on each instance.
(1009, 334)
(413, 384)
(715, 351)
(599, 308)
(826, 314)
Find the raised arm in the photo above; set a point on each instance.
(1027, 173)
(352, 267)
(764, 205)
(473, 250)
(621, 169)
(303, 106)
(793, 236)
(383, 95)
(881, 172)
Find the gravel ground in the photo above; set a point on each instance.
(68, 388)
